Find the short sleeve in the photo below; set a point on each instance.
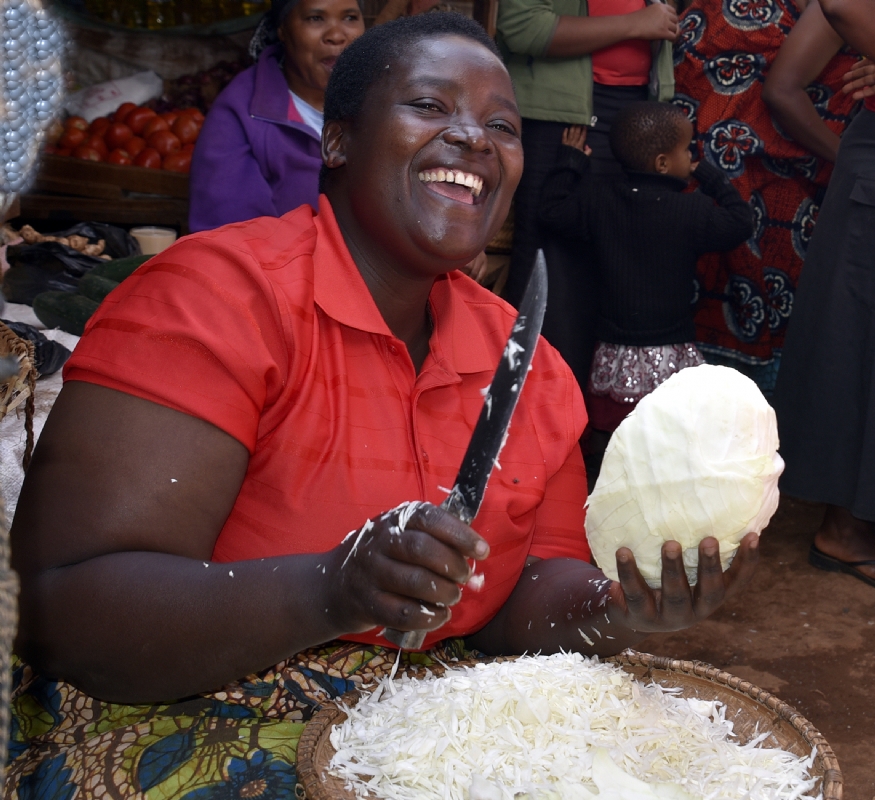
(197, 329)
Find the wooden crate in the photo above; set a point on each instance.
(74, 190)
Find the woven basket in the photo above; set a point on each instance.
(19, 388)
(752, 710)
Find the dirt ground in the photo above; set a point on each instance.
(805, 635)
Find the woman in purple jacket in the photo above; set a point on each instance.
(258, 153)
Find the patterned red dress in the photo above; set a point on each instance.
(745, 296)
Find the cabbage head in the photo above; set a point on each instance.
(696, 458)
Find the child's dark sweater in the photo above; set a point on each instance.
(646, 234)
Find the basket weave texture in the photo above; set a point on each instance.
(19, 388)
(751, 709)
(14, 391)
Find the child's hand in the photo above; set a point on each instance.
(575, 136)
(860, 80)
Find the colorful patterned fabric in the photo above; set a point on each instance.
(240, 742)
(745, 296)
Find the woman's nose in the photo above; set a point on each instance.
(470, 135)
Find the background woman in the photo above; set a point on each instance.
(185, 520)
(825, 396)
(724, 54)
(258, 152)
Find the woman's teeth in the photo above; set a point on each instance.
(474, 183)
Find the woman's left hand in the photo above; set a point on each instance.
(860, 81)
(677, 605)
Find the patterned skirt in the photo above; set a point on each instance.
(240, 742)
(622, 374)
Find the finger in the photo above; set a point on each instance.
(405, 614)
(449, 530)
(639, 598)
(710, 590)
(676, 605)
(743, 566)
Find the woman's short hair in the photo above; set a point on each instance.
(642, 131)
(368, 58)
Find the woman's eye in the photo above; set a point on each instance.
(504, 127)
(426, 105)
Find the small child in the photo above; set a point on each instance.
(646, 234)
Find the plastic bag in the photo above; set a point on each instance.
(52, 266)
(49, 356)
(104, 98)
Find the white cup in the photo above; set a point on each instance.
(153, 240)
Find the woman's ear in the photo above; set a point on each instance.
(660, 164)
(334, 144)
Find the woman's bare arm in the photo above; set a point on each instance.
(803, 56)
(854, 20)
(564, 604)
(113, 536)
(577, 36)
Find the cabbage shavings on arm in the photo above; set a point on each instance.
(559, 727)
(697, 457)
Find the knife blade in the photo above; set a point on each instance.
(492, 425)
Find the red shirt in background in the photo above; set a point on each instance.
(267, 330)
(625, 63)
(870, 103)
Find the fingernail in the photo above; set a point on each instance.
(710, 551)
(481, 549)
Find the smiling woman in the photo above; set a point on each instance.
(258, 151)
(190, 593)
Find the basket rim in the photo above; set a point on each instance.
(831, 786)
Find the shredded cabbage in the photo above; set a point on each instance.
(697, 457)
(544, 727)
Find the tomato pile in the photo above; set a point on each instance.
(132, 134)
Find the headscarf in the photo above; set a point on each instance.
(266, 32)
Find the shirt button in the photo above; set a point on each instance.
(425, 456)
(393, 350)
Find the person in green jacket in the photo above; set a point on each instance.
(575, 62)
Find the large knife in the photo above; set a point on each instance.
(491, 429)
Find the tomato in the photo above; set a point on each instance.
(122, 111)
(96, 142)
(63, 151)
(169, 117)
(99, 125)
(164, 142)
(134, 145)
(153, 125)
(188, 147)
(119, 156)
(177, 162)
(76, 122)
(116, 135)
(194, 113)
(87, 153)
(186, 128)
(72, 138)
(138, 118)
(148, 157)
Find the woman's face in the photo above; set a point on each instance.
(432, 162)
(314, 33)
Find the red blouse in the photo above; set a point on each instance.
(267, 330)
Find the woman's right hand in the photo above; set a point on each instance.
(860, 81)
(403, 569)
(657, 21)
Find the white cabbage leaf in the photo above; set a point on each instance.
(697, 457)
